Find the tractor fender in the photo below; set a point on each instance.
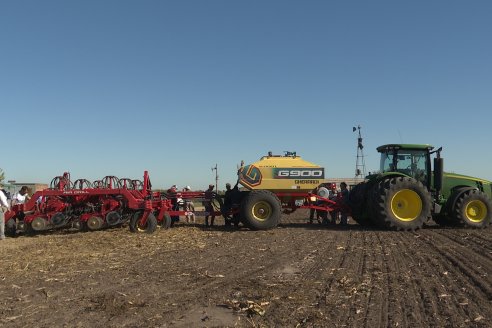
(455, 195)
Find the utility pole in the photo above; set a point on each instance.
(216, 177)
(360, 165)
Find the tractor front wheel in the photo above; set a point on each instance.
(261, 210)
(402, 203)
(473, 209)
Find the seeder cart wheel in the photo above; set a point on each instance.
(261, 210)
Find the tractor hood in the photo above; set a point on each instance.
(465, 178)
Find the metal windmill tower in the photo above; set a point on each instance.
(360, 164)
(216, 169)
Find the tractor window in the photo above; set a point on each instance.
(413, 163)
(409, 162)
(387, 164)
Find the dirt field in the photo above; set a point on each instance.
(297, 275)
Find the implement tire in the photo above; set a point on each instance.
(149, 227)
(402, 203)
(10, 228)
(166, 221)
(473, 209)
(261, 210)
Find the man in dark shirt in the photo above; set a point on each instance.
(209, 196)
(232, 198)
(345, 196)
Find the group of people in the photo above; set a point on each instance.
(342, 198)
(178, 202)
(6, 202)
(231, 203)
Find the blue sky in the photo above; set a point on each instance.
(174, 87)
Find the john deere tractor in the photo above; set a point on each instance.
(411, 187)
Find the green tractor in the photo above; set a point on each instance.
(407, 191)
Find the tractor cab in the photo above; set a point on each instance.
(410, 160)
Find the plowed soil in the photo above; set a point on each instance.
(297, 275)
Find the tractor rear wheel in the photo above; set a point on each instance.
(148, 227)
(402, 203)
(473, 209)
(261, 210)
(357, 198)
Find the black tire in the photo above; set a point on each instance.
(28, 230)
(113, 218)
(10, 228)
(166, 221)
(473, 209)
(59, 220)
(261, 210)
(357, 202)
(402, 203)
(149, 227)
(134, 218)
(83, 226)
(372, 207)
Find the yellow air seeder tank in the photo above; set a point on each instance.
(288, 173)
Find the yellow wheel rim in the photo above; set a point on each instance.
(476, 211)
(262, 211)
(406, 205)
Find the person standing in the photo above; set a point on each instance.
(172, 194)
(189, 207)
(21, 196)
(231, 203)
(344, 201)
(4, 207)
(312, 211)
(209, 196)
